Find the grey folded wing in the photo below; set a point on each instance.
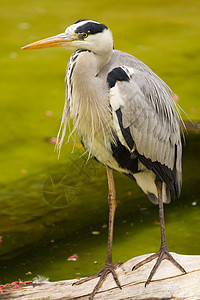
(146, 121)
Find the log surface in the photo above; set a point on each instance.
(168, 283)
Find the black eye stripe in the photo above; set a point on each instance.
(91, 28)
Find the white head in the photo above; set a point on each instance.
(83, 34)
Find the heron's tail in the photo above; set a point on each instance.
(166, 195)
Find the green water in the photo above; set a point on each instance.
(39, 231)
(39, 237)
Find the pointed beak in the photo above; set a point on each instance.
(60, 40)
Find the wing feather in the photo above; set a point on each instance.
(147, 110)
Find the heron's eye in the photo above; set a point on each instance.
(84, 35)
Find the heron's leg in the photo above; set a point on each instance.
(109, 267)
(163, 253)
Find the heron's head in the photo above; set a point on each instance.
(83, 34)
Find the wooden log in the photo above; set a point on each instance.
(168, 283)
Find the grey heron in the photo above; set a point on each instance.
(126, 118)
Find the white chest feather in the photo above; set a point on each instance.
(88, 98)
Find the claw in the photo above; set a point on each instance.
(162, 254)
(146, 260)
(86, 279)
(108, 268)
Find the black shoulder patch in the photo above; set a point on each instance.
(125, 131)
(91, 28)
(117, 74)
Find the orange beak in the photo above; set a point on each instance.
(60, 40)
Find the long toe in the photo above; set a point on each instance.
(170, 257)
(161, 255)
(108, 268)
(146, 260)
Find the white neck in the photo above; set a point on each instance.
(101, 45)
(89, 96)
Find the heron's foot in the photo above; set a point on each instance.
(108, 268)
(162, 254)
